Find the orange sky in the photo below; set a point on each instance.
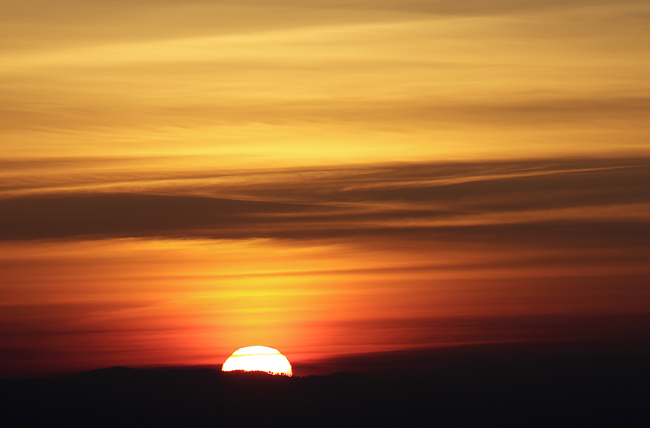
(178, 180)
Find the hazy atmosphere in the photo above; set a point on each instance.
(182, 179)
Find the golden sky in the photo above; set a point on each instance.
(182, 179)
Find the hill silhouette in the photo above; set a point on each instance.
(606, 389)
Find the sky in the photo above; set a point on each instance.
(182, 179)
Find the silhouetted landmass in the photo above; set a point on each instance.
(481, 386)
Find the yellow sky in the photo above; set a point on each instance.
(287, 84)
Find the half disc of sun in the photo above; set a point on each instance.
(258, 359)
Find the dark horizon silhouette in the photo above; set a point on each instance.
(531, 385)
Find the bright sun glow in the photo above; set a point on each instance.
(258, 359)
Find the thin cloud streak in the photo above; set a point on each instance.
(339, 203)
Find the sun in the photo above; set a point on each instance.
(258, 359)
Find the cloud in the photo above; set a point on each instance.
(582, 201)
(382, 79)
(103, 215)
(494, 328)
(538, 337)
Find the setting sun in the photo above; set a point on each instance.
(258, 359)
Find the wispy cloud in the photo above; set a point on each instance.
(596, 197)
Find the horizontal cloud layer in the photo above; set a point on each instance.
(590, 200)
